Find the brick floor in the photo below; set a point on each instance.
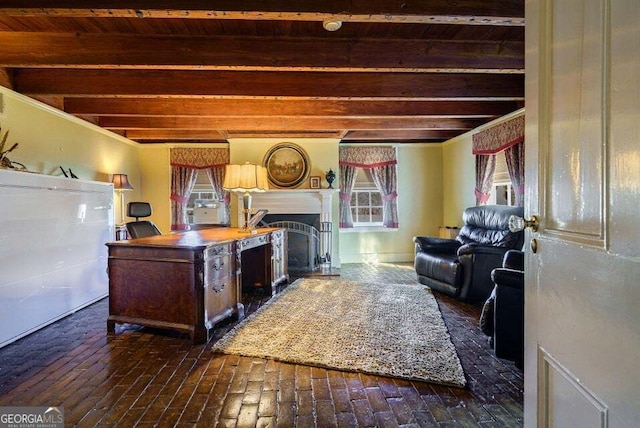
(143, 378)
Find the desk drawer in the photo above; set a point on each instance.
(218, 251)
(217, 267)
(220, 298)
(253, 242)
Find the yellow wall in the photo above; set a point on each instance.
(49, 138)
(155, 173)
(458, 179)
(322, 152)
(419, 209)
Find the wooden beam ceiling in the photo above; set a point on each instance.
(26, 49)
(267, 84)
(467, 12)
(401, 72)
(134, 106)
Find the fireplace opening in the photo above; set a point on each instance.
(305, 238)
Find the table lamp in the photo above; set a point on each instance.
(120, 185)
(245, 179)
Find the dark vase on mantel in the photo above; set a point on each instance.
(330, 177)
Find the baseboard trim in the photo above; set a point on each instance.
(376, 258)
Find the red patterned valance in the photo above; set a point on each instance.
(367, 157)
(500, 137)
(199, 158)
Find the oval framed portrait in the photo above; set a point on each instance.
(287, 165)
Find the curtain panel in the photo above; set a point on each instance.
(385, 180)
(382, 163)
(348, 176)
(185, 163)
(183, 180)
(514, 156)
(216, 178)
(485, 168)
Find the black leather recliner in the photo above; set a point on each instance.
(461, 267)
(508, 313)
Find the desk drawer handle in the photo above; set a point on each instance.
(218, 287)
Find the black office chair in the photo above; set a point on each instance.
(141, 228)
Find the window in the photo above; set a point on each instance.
(366, 201)
(202, 196)
(502, 192)
(366, 208)
(370, 198)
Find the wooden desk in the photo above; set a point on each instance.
(191, 280)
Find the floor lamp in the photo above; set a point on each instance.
(120, 185)
(245, 179)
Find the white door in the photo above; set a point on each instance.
(582, 334)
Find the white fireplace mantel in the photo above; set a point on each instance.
(293, 201)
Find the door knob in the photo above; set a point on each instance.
(516, 224)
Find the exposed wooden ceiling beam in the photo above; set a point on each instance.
(495, 12)
(252, 107)
(166, 135)
(278, 123)
(401, 135)
(284, 134)
(321, 85)
(175, 135)
(28, 49)
(53, 101)
(6, 78)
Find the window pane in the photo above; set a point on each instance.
(376, 199)
(501, 195)
(354, 214)
(363, 198)
(363, 214)
(376, 215)
(353, 199)
(192, 199)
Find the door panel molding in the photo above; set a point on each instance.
(575, 145)
(560, 388)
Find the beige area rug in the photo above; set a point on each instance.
(391, 330)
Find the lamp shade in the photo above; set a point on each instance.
(121, 182)
(245, 178)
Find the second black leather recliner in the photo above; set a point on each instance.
(502, 316)
(508, 323)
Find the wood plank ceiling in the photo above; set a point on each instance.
(169, 71)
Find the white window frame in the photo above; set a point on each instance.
(494, 192)
(355, 207)
(201, 189)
